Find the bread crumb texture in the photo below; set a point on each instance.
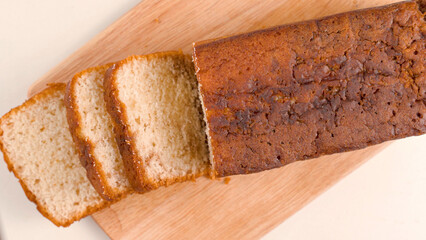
(163, 117)
(38, 148)
(92, 129)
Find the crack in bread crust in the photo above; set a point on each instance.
(302, 90)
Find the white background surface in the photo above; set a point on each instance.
(384, 199)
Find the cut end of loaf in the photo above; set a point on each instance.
(91, 128)
(160, 113)
(38, 149)
(212, 172)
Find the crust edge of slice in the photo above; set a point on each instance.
(117, 110)
(52, 88)
(85, 147)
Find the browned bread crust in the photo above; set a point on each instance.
(422, 5)
(125, 140)
(85, 147)
(45, 93)
(298, 91)
(117, 111)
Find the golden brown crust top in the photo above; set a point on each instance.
(53, 88)
(302, 90)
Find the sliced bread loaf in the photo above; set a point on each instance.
(154, 103)
(299, 91)
(38, 149)
(92, 131)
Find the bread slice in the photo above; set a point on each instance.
(92, 131)
(154, 103)
(38, 149)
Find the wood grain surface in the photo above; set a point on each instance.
(246, 208)
(249, 206)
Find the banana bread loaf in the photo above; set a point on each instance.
(298, 91)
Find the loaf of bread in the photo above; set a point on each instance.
(298, 91)
(38, 148)
(92, 131)
(154, 103)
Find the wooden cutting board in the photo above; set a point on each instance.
(249, 206)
